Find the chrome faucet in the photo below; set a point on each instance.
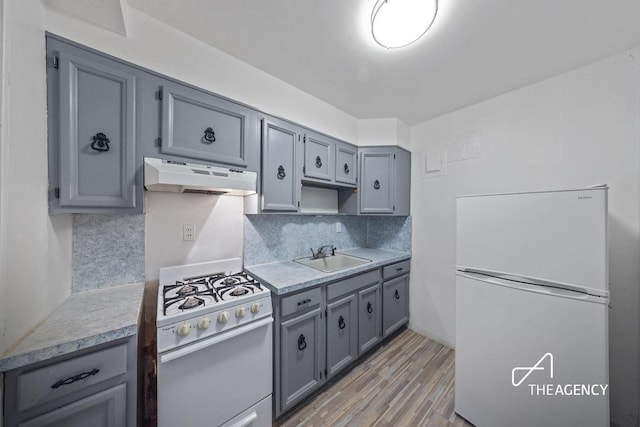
(320, 253)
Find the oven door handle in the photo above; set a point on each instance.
(246, 420)
(216, 339)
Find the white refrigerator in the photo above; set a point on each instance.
(532, 299)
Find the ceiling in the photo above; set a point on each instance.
(475, 49)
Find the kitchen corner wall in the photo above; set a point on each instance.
(569, 131)
(281, 237)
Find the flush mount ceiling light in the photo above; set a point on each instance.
(398, 23)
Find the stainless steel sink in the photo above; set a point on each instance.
(332, 263)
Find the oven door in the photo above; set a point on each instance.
(208, 382)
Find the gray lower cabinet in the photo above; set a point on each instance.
(385, 181)
(369, 318)
(342, 334)
(105, 409)
(322, 330)
(280, 153)
(199, 125)
(300, 357)
(93, 387)
(92, 132)
(396, 303)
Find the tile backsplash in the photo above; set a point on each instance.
(108, 250)
(274, 238)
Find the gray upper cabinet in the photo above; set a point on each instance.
(376, 185)
(342, 332)
(199, 125)
(319, 157)
(92, 132)
(346, 164)
(280, 181)
(385, 181)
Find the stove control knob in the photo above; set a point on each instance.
(223, 317)
(204, 323)
(240, 312)
(255, 308)
(183, 330)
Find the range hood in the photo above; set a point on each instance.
(182, 177)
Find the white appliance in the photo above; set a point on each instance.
(183, 177)
(214, 325)
(532, 300)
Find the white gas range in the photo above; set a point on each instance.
(214, 325)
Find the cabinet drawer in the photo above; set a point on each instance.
(60, 379)
(352, 284)
(396, 269)
(301, 302)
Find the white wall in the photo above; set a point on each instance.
(573, 130)
(35, 249)
(218, 222)
(389, 131)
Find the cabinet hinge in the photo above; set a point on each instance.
(55, 62)
(159, 142)
(160, 94)
(326, 312)
(320, 374)
(394, 208)
(298, 203)
(394, 155)
(304, 140)
(56, 192)
(304, 169)
(325, 373)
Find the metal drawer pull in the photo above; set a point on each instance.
(376, 184)
(75, 378)
(399, 269)
(281, 172)
(209, 136)
(100, 142)
(341, 323)
(346, 169)
(304, 301)
(302, 343)
(318, 162)
(369, 308)
(397, 294)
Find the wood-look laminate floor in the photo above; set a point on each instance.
(407, 382)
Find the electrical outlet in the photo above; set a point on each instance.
(188, 232)
(338, 227)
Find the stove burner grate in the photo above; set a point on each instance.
(191, 302)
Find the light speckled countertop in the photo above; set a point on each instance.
(84, 320)
(285, 277)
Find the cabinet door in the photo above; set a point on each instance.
(395, 303)
(107, 408)
(342, 333)
(376, 183)
(369, 318)
(96, 110)
(280, 184)
(300, 357)
(198, 125)
(346, 171)
(318, 157)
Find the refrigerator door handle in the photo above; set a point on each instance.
(545, 289)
